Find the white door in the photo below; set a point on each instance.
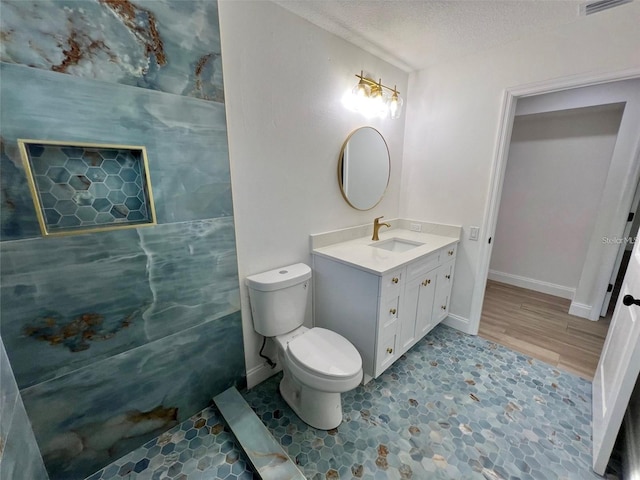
(618, 367)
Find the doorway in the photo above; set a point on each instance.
(554, 178)
(619, 186)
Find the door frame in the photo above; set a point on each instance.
(498, 167)
(621, 249)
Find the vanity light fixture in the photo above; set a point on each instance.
(373, 99)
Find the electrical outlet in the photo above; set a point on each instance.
(415, 227)
(474, 233)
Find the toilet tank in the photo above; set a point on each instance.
(278, 299)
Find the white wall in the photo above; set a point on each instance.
(453, 120)
(556, 171)
(284, 81)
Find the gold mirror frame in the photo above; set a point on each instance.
(381, 173)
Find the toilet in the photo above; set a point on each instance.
(318, 364)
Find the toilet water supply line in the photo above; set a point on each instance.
(269, 361)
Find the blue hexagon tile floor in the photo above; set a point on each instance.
(201, 448)
(454, 407)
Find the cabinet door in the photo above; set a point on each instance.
(416, 318)
(424, 308)
(443, 292)
(409, 314)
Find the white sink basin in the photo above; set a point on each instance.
(396, 244)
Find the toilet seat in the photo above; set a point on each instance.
(325, 353)
(324, 360)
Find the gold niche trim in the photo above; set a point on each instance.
(117, 224)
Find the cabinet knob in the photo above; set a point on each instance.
(426, 282)
(394, 279)
(389, 350)
(450, 252)
(443, 307)
(448, 277)
(392, 311)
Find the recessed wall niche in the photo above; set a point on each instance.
(86, 187)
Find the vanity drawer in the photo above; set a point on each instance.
(448, 253)
(420, 268)
(387, 347)
(389, 307)
(391, 282)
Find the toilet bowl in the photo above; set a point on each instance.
(318, 364)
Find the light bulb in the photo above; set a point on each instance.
(376, 93)
(360, 95)
(395, 105)
(378, 104)
(361, 90)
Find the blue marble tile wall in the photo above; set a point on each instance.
(19, 453)
(114, 337)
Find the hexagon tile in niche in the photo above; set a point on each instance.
(83, 187)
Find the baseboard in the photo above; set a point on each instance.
(260, 373)
(581, 310)
(532, 284)
(459, 323)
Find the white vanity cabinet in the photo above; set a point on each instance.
(383, 315)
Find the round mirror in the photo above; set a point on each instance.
(363, 169)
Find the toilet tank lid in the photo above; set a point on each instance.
(279, 278)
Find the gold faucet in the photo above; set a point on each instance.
(376, 227)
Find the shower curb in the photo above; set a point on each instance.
(265, 454)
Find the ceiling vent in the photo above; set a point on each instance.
(590, 8)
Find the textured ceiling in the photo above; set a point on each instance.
(414, 34)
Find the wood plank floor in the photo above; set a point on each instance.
(538, 325)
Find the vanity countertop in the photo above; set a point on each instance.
(360, 253)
